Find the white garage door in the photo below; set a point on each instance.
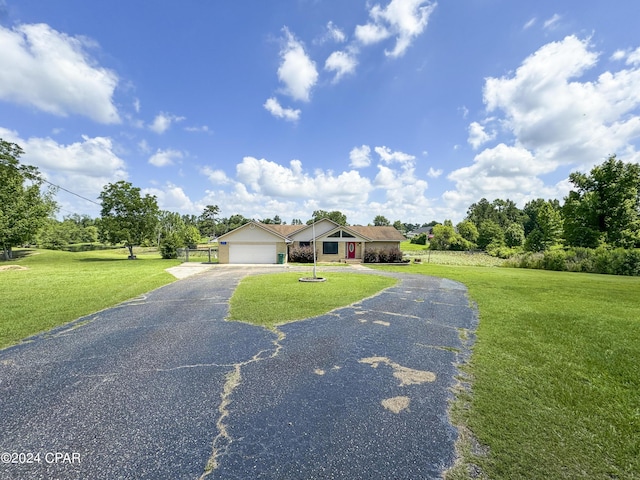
(252, 253)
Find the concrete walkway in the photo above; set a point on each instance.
(163, 387)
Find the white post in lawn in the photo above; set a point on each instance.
(313, 228)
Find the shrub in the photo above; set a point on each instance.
(554, 260)
(503, 252)
(382, 255)
(602, 260)
(301, 255)
(169, 247)
(420, 239)
(395, 255)
(525, 260)
(370, 255)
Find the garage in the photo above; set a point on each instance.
(255, 253)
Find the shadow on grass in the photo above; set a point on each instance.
(18, 254)
(97, 259)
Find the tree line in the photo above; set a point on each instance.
(601, 210)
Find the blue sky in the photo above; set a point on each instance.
(409, 109)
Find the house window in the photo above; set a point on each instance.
(334, 235)
(305, 244)
(347, 235)
(330, 248)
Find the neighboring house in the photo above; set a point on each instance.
(257, 242)
(426, 230)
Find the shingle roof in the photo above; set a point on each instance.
(380, 234)
(372, 233)
(284, 230)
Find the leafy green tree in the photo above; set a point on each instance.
(502, 212)
(507, 212)
(227, 224)
(296, 221)
(381, 221)
(398, 225)
(24, 204)
(276, 220)
(337, 216)
(53, 235)
(490, 234)
(172, 232)
(468, 231)
(481, 211)
(207, 221)
(82, 228)
(514, 235)
(581, 220)
(548, 230)
(445, 237)
(127, 216)
(531, 210)
(607, 201)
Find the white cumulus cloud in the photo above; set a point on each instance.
(54, 72)
(163, 158)
(342, 63)
(478, 136)
(269, 178)
(173, 198)
(389, 156)
(163, 121)
(360, 156)
(332, 34)
(297, 71)
(216, 176)
(403, 19)
(274, 108)
(550, 117)
(82, 167)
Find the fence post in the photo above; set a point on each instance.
(187, 250)
(209, 254)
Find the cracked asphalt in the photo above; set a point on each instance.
(162, 386)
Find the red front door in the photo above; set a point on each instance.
(351, 249)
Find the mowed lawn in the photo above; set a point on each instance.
(273, 299)
(56, 287)
(556, 388)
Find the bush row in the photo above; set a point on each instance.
(382, 255)
(301, 255)
(618, 261)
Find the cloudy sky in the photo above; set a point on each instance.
(410, 109)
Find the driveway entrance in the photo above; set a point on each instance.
(163, 387)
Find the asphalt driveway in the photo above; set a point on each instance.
(162, 387)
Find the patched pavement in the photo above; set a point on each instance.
(163, 387)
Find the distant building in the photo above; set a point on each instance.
(419, 231)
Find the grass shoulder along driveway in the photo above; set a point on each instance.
(42, 289)
(554, 372)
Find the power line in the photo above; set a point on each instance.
(72, 193)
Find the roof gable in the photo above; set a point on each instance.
(252, 231)
(344, 233)
(322, 226)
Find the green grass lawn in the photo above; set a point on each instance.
(409, 247)
(57, 287)
(555, 385)
(556, 389)
(273, 299)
